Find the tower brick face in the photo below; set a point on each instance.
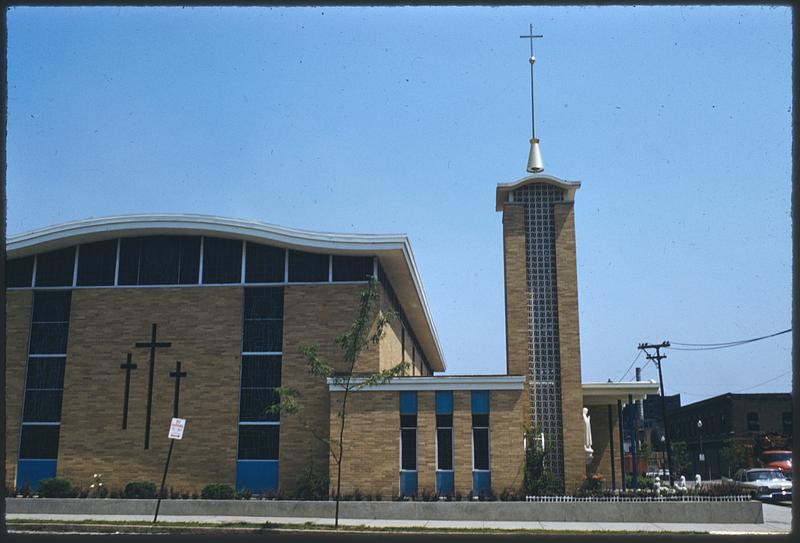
(516, 290)
(542, 333)
(569, 342)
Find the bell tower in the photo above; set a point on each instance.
(541, 298)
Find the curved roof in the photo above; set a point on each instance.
(393, 251)
(504, 188)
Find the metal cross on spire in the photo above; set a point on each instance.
(535, 164)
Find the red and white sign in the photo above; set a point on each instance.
(176, 428)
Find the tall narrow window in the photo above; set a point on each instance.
(403, 346)
(752, 422)
(481, 475)
(352, 268)
(97, 263)
(265, 264)
(56, 268)
(222, 260)
(444, 442)
(44, 387)
(19, 272)
(786, 422)
(308, 267)
(259, 428)
(263, 320)
(408, 443)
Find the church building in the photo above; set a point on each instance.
(116, 325)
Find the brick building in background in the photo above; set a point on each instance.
(742, 418)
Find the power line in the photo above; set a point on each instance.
(764, 383)
(629, 367)
(714, 346)
(735, 391)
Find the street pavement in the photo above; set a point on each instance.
(777, 520)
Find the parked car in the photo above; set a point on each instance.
(774, 459)
(765, 484)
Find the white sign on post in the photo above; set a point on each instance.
(176, 428)
(702, 457)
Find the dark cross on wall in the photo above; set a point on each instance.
(177, 374)
(152, 345)
(127, 367)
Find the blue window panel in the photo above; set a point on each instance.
(481, 482)
(444, 483)
(32, 471)
(258, 476)
(408, 403)
(444, 402)
(480, 402)
(408, 483)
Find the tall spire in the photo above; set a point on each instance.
(535, 164)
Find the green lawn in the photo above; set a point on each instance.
(175, 527)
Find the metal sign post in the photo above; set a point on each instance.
(176, 428)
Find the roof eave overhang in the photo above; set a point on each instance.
(393, 250)
(503, 189)
(439, 382)
(610, 393)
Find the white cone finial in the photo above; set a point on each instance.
(535, 164)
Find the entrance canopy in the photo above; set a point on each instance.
(609, 393)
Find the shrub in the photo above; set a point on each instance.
(641, 482)
(140, 490)
(511, 495)
(218, 491)
(245, 494)
(55, 488)
(427, 495)
(311, 486)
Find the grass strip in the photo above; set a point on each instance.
(43, 525)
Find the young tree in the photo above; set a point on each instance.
(680, 457)
(537, 480)
(735, 454)
(368, 329)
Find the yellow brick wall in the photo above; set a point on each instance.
(507, 427)
(314, 315)
(371, 460)
(204, 327)
(462, 441)
(373, 424)
(569, 339)
(391, 352)
(426, 442)
(516, 290)
(19, 307)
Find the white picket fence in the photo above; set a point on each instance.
(684, 498)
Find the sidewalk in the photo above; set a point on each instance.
(777, 520)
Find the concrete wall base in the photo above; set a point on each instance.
(750, 512)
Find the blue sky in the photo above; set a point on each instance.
(677, 121)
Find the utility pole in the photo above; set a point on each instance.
(657, 359)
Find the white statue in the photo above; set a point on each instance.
(587, 434)
(682, 483)
(697, 479)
